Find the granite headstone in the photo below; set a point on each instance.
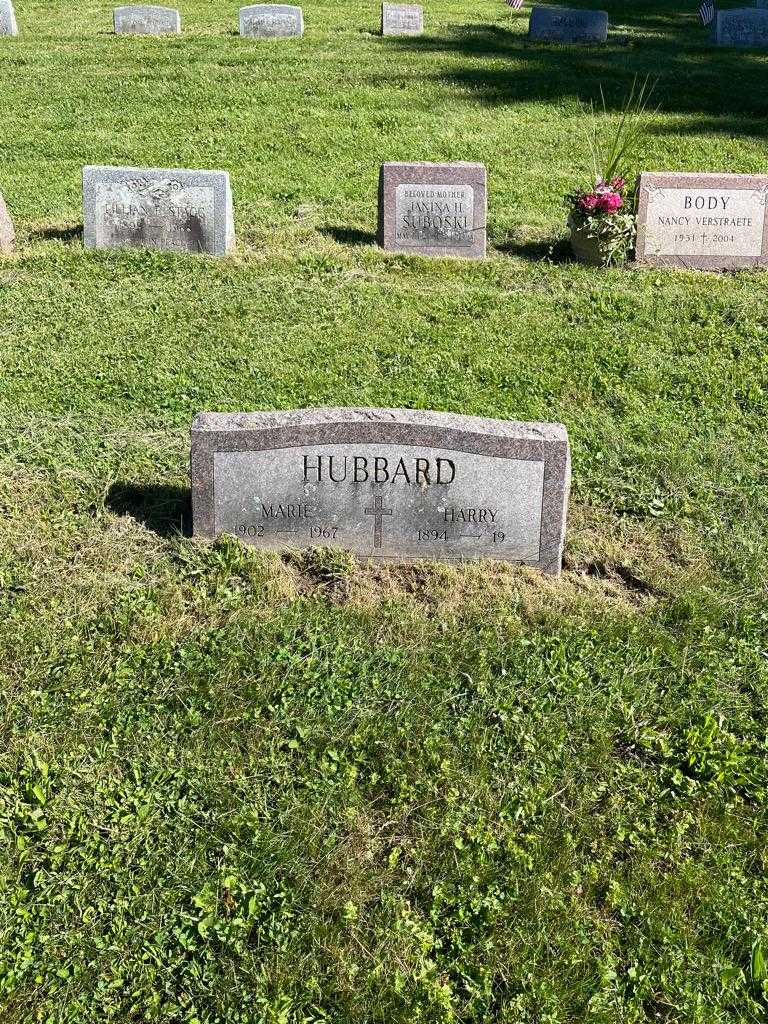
(741, 27)
(402, 19)
(147, 20)
(151, 208)
(702, 221)
(389, 484)
(7, 234)
(567, 25)
(271, 21)
(433, 209)
(8, 26)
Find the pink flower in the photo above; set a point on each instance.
(609, 202)
(618, 184)
(589, 202)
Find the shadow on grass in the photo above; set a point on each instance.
(548, 250)
(166, 510)
(348, 236)
(69, 234)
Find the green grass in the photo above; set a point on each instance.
(238, 788)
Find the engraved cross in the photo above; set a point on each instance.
(379, 511)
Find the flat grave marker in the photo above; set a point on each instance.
(433, 209)
(146, 20)
(567, 25)
(152, 208)
(389, 484)
(7, 233)
(402, 19)
(741, 27)
(271, 21)
(8, 26)
(702, 221)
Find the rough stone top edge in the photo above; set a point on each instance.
(571, 10)
(154, 8)
(699, 175)
(213, 422)
(428, 163)
(281, 7)
(399, 6)
(91, 170)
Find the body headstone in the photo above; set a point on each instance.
(147, 20)
(568, 25)
(402, 19)
(702, 221)
(8, 26)
(7, 234)
(389, 484)
(151, 208)
(271, 21)
(741, 27)
(433, 209)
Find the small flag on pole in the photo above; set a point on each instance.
(517, 4)
(707, 12)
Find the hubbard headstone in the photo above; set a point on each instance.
(7, 234)
(148, 208)
(8, 26)
(702, 221)
(271, 21)
(389, 484)
(433, 209)
(147, 21)
(402, 19)
(743, 27)
(568, 25)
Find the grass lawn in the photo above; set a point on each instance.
(237, 788)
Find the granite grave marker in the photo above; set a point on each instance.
(702, 221)
(741, 27)
(567, 25)
(433, 209)
(402, 19)
(151, 208)
(147, 20)
(8, 26)
(390, 484)
(7, 234)
(271, 21)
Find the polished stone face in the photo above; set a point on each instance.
(568, 25)
(385, 484)
(703, 221)
(741, 27)
(402, 19)
(8, 26)
(271, 21)
(168, 210)
(434, 215)
(147, 20)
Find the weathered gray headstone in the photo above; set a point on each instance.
(568, 25)
(7, 234)
(151, 208)
(402, 19)
(271, 21)
(702, 221)
(147, 21)
(433, 209)
(743, 27)
(390, 484)
(8, 26)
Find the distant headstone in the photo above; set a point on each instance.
(271, 21)
(147, 21)
(568, 25)
(702, 221)
(742, 27)
(402, 19)
(8, 26)
(7, 234)
(148, 208)
(390, 484)
(433, 209)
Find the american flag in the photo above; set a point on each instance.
(517, 4)
(707, 12)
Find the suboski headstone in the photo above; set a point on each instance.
(433, 209)
(389, 484)
(702, 221)
(7, 234)
(151, 208)
(271, 21)
(147, 21)
(8, 26)
(402, 19)
(568, 25)
(743, 27)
